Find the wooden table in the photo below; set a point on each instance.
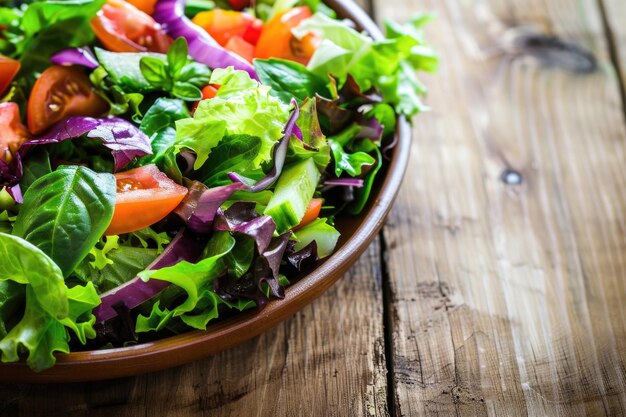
(498, 286)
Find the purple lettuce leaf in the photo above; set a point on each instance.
(200, 206)
(184, 247)
(242, 217)
(76, 56)
(264, 271)
(370, 129)
(124, 139)
(170, 14)
(303, 259)
(11, 173)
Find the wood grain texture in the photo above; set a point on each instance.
(615, 14)
(328, 360)
(509, 299)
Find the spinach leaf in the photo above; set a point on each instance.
(47, 27)
(290, 79)
(35, 166)
(65, 213)
(159, 123)
(234, 153)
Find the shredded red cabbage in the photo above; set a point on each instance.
(202, 47)
(76, 56)
(344, 182)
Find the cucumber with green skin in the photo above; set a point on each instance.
(324, 235)
(292, 194)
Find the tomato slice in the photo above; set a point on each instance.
(121, 27)
(61, 92)
(146, 6)
(14, 133)
(145, 195)
(8, 69)
(312, 212)
(277, 41)
(242, 48)
(225, 24)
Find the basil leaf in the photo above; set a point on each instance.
(66, 212)
(154, 70)
(186, 91)
(124, 69)
(177, 56)
(290, 79)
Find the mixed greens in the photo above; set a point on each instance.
(164, 164)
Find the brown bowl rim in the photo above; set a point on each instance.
(194, 345)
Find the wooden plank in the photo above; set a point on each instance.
(509, 299)
(614, 16)
(615, 13)
(330, 356)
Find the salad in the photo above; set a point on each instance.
(164, 164)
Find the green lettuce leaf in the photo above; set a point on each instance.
(387, 64)
(50, 308)
(241, 107)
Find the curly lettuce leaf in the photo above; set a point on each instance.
(387, 64)
(241, 107)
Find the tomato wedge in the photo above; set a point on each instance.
(222, 25)
(277, 41)
(312, 212)
(8, 69)
(121, 27)
(145, 195)
(61, 92)
(208, 92)
(14, 133)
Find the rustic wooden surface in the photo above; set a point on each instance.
(498, 286)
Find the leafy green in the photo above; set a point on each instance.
(387, 64)
(313, 144)
(159, 124)
(11, 300)
(195, 280)
(123, 69)
(65, 213)
(35, 166)
(350, 162)
(119, 101)
(290, 80)
(241, 107)
(45, 28)
(361, 195)
(177, 74)
(234, 153)
(50, 307)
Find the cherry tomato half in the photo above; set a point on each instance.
(224, 24)
(239, 4)
(277, 41)
(208, 92)
(61, 92)
(8, 69)
(121, 27)
(145, 195)
(14, 133)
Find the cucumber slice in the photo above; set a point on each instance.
(322, 233)
(292, 194)
(123, 68)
